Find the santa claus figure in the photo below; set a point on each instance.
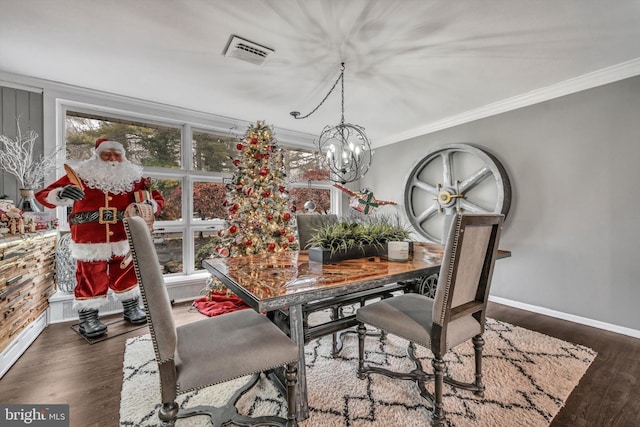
(108, 184)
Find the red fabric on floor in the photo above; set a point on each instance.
(216, 303)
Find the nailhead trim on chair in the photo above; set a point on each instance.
(180, 391)
(454, 250)
(134, 258)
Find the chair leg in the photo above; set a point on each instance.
(291, 378)
(168, 414)
(478, 346)
(362, 331)
(438, 407)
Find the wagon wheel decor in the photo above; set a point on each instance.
(454, 178)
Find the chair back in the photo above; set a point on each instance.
(309, 223)
(465, 279)
(152, 287)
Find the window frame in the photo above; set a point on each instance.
(187, 124)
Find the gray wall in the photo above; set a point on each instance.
(574, 224)
(27, 105)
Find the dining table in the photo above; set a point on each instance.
(289, 281)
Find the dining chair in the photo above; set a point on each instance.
(454, 316)
(308, 224)
(209, 351)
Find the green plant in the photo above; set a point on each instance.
(347, 235)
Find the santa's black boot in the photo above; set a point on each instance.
(133, 313)
(90, 326)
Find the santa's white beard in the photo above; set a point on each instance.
(112, 177)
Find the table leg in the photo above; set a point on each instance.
(297, 334)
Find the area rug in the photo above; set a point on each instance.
(528, 377)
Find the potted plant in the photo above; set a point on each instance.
(356, 238)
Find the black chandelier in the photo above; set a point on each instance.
(345, 149)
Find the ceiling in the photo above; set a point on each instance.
(411, 66)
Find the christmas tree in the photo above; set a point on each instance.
(259, 216)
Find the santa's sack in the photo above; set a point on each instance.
(144, 210)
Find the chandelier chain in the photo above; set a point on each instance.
(340, 78)
(342, 104)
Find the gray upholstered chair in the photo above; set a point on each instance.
(308, 224)
(456, 315)
(209, 351)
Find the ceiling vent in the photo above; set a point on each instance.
(246, 50)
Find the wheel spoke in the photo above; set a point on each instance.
(475, 179)
(427, 213)
(472, 207)
(424, 186)
(447, 168)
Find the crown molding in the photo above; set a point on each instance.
(71, 95)
(601, 77)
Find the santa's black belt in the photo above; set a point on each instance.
(102, 216)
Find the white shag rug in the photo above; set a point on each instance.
(528, 377)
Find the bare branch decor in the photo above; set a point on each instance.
(17, 158)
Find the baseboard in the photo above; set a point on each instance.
(20, 344)
(179, 289)
(565, 316)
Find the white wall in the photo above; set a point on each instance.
(574, 224)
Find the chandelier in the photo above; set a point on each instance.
(345, 149)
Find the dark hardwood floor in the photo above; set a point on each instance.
(61, 367)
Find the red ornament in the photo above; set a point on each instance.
(286, 216)
(291, 238)
(233, 229)
(269, 217)
(271, 247)
(236, 162)
(248, 243)
(254, 140)
(283, 232)
(281, 189)
(239, 147)
(263, 172)
(266, 193)
(223, 252)
(285, 246)
(258, 156)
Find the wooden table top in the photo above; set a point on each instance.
(272, 281)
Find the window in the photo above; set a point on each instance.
(213, 153)
(145, 144)
(309, 181)
(189, 166)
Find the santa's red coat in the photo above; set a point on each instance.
(93, 240)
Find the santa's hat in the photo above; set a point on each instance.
(103, 144)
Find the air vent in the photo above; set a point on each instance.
(246, 50)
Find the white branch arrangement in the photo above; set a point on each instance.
(16, 157)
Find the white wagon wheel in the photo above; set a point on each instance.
(454, 178)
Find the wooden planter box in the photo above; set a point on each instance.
(325, 256)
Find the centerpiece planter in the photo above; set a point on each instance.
(352, 239)
(327, 255)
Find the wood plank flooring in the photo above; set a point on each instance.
(61, 367)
